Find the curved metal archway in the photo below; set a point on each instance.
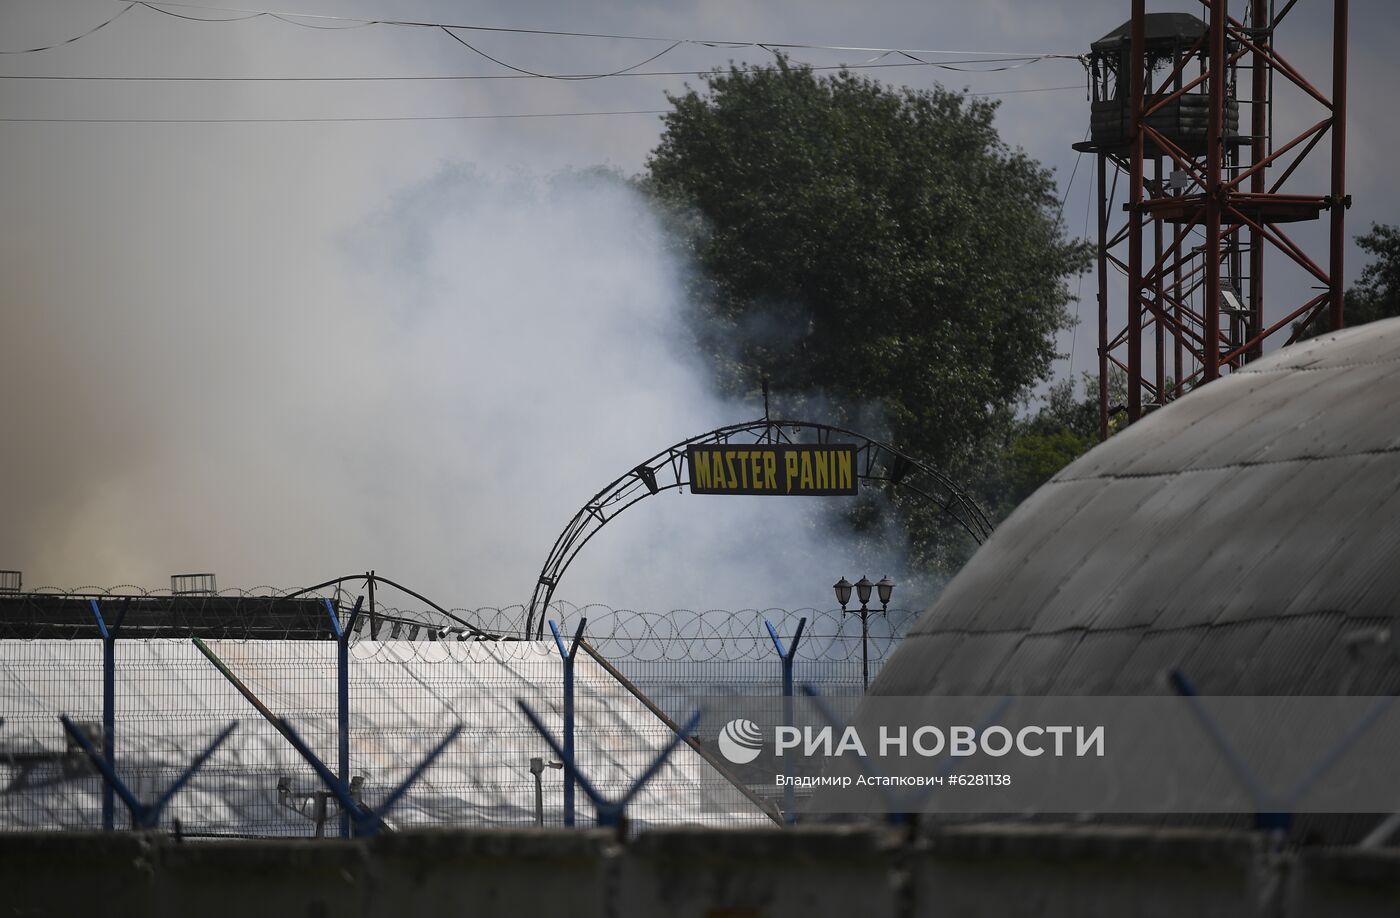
(875, 461)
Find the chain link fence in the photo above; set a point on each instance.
(414, 671)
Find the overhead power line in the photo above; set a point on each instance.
(68, 41)
(1005, 60)
(470, 77)
(710, 42)
(1017, 92)
(554, 76)
(252, 15)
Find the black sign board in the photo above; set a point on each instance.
(789, 469)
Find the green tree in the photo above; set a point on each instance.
(1376, 294)
(881, 254)
(1063, 428)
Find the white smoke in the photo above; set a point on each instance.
(431, 390)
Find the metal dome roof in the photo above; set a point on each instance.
(1248, 534)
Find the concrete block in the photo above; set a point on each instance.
(1003, 871)
(492, 872)
(1345, 881)
(230, 878)
(770, 872)
(96, 873)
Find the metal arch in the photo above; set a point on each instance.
(875, 462)
(370, 578)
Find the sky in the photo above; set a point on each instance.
(406, 329)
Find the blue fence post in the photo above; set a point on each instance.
(785, 657)
(342, 690)
(364, 821)
(143, 815)
(367, 821)
(610, 812)
(1275, 818)
(109, 703)
(567, 655)
(1276, 811)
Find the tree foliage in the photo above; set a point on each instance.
(1065, 426)
(1376, 294)
(880, 252)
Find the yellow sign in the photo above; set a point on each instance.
(789, 469)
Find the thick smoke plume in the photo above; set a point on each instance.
(430, 386)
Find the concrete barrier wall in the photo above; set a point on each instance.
(1004, 871)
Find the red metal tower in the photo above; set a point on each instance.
(1206, 202)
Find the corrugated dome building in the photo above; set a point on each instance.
(1248, 534)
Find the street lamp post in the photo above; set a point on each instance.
(537, 767)
(884, 589)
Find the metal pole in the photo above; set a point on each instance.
(373, 610)
(1215, 146)
(785, 658)
(1339, 160)
(1159, 327)
(568, 657)
(342, 700)
(1258, 149)
(864, 649)
(610, 812)
(1103, 296)
(143, 816)
(343, 719)
(789, 795)
(109, 725)
(1178, 295)
(109, 709)
(1136, 65)
(719, 764)
(319, 814)
(537, 769)
(569, 738)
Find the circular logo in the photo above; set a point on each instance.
(741, 741)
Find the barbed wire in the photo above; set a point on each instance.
(268, 612)
(127, 589)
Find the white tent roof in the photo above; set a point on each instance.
(404, 698)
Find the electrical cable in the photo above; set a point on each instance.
(1017, 92)
(1015, 59)
(1007, 60)
(156, 9)
(483, 76)
(713, 43)
(1011, 63)
(68, 41)
(949, 66)
(1073, 172)
(548, 76)
(306, 25)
